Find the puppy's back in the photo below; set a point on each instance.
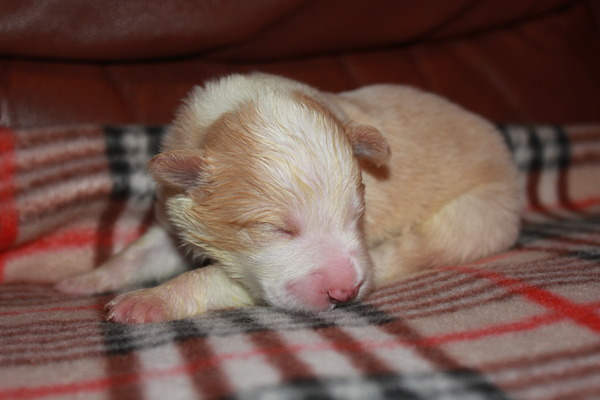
(450, 191)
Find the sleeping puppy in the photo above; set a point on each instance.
(305, 200)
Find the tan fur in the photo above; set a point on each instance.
(440, 152)
(259, 171)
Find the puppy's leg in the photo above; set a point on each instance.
(474, 225)
(153, 256)
(191, 293)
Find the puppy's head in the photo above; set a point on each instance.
(274, 193)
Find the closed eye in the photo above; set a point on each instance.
(286, 231)
(281, 230)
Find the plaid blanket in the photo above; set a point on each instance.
(524, 324)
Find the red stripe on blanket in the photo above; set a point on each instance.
(581, 314)
(288, 365)
(215, 380)
(53, 309)
(585, 203)
(8, 212)
(578, 206)
(364, 361)
(71, 238)
(76, 387)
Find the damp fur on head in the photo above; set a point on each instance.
(268, 159)
(275, 168)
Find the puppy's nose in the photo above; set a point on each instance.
(342, 295)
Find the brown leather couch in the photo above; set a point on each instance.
(66, 62)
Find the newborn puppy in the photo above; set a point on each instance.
(306, 199)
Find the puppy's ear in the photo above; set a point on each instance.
(369, 143)
(178, 169)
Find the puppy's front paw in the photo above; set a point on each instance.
(138, 307)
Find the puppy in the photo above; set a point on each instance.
(305, 199)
